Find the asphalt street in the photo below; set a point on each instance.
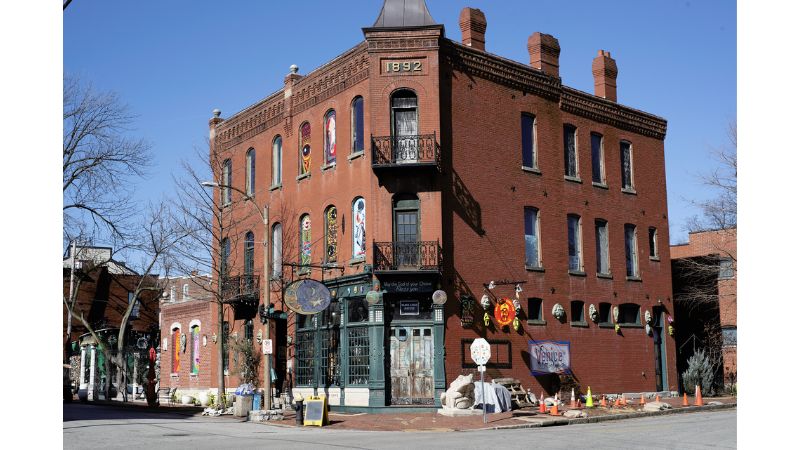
(88, 426)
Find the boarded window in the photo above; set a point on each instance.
(570, 151)
(601, 246)
(528, 124)
(532, 237)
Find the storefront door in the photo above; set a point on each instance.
(411, 371)
(660, 351)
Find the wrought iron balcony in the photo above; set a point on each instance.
(242, 289)
(408, 256)
(405, 151)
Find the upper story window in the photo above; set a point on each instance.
(629, 314)
(277, 161)
(225, 253)
(532, 259)
(570, 151)
(577, 312)
(574, 243)
(631, 254)
(652, 235)
(626, 161)
(305, 239)
(277, 251)
(726, 268)
(601, 245)
(529, 156)
(405, 128)
(172, 294)
(535, 313)
(605, 314)
(357, 124)
(225, 189)
(249, 252)
(305, 148)
(250, 172)
(359, 228)
(331, 235)
(135, 310)
(330, 138)
(185, 293)
(598, 165)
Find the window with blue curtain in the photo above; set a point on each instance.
(574, 242)
(251, 172)
(358, 125)
(531, 237)
(570, 151)
(528, 125)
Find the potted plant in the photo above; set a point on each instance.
(187, 399)
(203, 398)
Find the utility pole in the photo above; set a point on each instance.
(267, 276)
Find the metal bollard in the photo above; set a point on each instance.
(298, 408)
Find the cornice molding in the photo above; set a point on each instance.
(502, 71)
(595, 108)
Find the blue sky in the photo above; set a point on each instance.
(173, 62)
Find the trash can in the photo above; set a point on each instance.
(256, 402)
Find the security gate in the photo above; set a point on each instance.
(411, 371)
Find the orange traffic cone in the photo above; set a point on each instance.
(554, 409)
(624, 400)
(603, 402)
(641, 400)
(616, 402)
(698, 396)
(578, 404)
(542, 407)
(572, 399)
(658, 398)
(685, 400)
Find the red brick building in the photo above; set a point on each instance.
(458, 170)
(704, 277)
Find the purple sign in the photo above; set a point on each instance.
(549, 357)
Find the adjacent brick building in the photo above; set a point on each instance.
(458, 170)
(704, 277)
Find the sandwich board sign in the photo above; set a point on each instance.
(316, 413)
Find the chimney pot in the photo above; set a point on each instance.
(604, 70)
(473, 28)
(544, 52)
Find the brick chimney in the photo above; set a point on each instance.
(473, 28)
(544, 51)
(604, 69)
(212, 124)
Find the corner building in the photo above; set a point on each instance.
(414, 163)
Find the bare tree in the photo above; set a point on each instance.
(719, 213)
(155, 240)
(100, 162)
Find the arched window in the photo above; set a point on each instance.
(195, 349)
(277, 250)
(185, 293)
(305, 148)
(249, 251)
(359, 228)
(331, 235)
(357, 124)
(225, 189)
(176, 349)
(277, 161)
(305, 239)
(250, 172)
(330, 138)
(405, 130)
(225, 253)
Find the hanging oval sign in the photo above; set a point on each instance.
(504, 312)
(307, 297)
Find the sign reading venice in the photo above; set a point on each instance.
(307, 297)
(549, 357)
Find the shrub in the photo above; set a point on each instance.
(700, 372)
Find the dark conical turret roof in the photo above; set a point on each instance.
(404, 13)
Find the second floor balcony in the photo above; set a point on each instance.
(406, 151)
(408, 257)
(241, 289)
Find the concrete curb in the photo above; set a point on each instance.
(183, 410)
(606, 418)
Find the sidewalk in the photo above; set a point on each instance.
(521, 418)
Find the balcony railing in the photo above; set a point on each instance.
(408, 256)
(399, 151)
(241, 288)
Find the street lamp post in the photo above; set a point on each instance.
(267, 358)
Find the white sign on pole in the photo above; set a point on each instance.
(480, 351)
(266, 346)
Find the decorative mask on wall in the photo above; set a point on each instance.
(593, 314)
(517, 306)
(467, 318)
(615, 312)
(648, 318)
(485, 302)
(183, 342)
(558, 311)
(486, 319)
(516, 324)
(648, 330)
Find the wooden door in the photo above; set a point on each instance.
(411, 372)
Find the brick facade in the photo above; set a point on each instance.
(472, 201)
